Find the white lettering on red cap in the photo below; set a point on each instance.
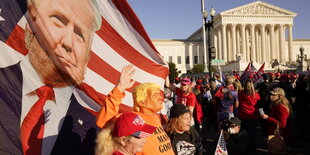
(138, 121)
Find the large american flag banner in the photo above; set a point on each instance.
(121, 40)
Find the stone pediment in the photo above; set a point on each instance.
(259, 8)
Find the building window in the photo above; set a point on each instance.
(196, 60)
(179, 59)
(187, 60)
(170, 59)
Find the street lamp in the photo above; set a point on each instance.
(301, 49)
(209, 26)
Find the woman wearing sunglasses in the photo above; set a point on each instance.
(125, 137)
(280, 111)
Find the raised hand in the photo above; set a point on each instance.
(125, 80)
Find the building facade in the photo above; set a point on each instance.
(257, 32)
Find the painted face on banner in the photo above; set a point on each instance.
(64, 30)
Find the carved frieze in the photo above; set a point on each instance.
(257, 10)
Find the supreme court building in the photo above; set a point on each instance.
(257, 32)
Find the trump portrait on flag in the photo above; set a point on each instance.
(55, 58)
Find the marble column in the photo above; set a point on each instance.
(215, 43)
(277, 43)
(290, 43)
(238, 40)
(233, 41)
(267, 46)
(257, 45)
(219, 46)
(243, 44)
(263, 36)
(282, 53)
(247, 43)
(229, 52)
(272, 51)
(224, 52)
(252, 34)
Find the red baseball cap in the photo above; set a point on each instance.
(186, 81)
(132, 124)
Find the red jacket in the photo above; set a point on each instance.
(278, 115)
(247, 106)
(187, 100)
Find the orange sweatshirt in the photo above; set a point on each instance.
(156, 144)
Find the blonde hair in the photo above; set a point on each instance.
(140, 93)
(174, 123)
(249, 88)
(282, 99)
(105, 143)
(189, 89)
(229, 80)
(237, 85)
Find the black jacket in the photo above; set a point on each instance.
(191, 137)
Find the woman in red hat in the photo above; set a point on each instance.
(184, 94)
(125, 137)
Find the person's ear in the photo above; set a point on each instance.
(123, 140)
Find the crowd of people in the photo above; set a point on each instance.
(234, 108)
(277, 101)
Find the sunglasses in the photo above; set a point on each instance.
(136, 137)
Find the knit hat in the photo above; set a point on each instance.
(178, 110)
(132, 124)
